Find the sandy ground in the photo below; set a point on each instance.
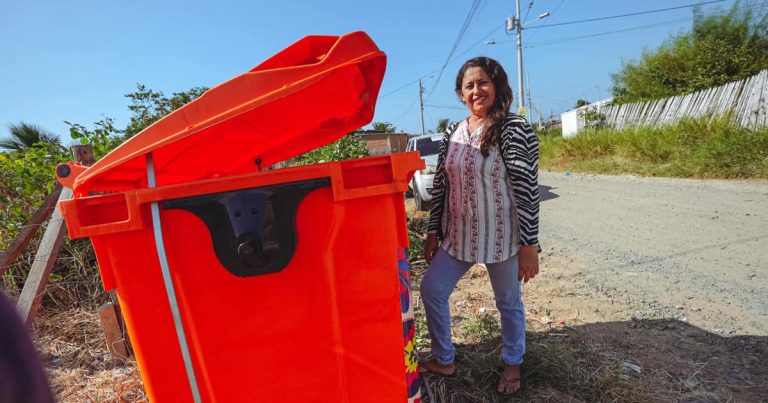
(665, 274)
(692, 250)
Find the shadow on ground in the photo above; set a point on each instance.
(545, 193)
(661, 360)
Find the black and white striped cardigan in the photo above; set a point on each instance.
(520, 152)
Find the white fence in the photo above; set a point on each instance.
(745, 100)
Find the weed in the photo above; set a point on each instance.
(484, 327)
(691, 148)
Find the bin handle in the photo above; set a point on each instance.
(382, 175)
(165, 268)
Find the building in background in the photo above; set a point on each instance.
(380, 143)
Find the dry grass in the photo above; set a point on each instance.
(81, 369)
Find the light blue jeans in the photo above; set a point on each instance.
(438, 284)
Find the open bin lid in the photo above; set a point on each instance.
(308, 95)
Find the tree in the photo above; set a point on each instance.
(442, 125)
(385, 127)
(581, 102)
(721, 47)
(24, 135)
(147, 107)
(348, 147)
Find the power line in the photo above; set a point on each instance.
(625, 15)
(467, 22)
(573, 38)
(446, 107)
(402, 87)
(478, 42)
(561, 40)
(553, 12)
(530, 5)
(470, 47)
(470, 13)
(410, 108)
(558, 6)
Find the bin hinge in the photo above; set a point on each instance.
(253, 230)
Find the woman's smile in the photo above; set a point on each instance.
(478, 91)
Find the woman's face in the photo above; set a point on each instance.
(477, 91)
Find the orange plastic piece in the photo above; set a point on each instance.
(325, 329)
(308, 95)
(329, 326)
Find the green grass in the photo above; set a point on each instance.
(691, 148)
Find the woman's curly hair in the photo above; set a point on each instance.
(501, 105)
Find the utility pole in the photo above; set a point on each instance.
(541, 122)
(530, 104)
(518, 25)
(421, 101)
(514, 23)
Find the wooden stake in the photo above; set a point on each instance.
(37, 279)
(34, 223)
(34, 286)
(113, 332)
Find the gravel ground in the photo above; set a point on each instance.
(691, 250)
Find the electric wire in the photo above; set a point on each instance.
(470, 47)
(477, 43)
(530, 5)
(558, 6)
(471, 15)
(446, 107)
(467, 22)
(553, 12)
(573, 38)
(625, 15)
(597, 34)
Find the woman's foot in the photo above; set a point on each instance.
(510, 380)
(431, 365)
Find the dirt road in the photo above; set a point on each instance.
(617, 247)
(666, 276)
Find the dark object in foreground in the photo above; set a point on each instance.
(22, 379)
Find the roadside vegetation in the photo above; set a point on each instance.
(721, 47)
(691, 148)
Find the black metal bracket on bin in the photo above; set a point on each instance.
(253, 230)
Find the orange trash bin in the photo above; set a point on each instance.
(240, 283)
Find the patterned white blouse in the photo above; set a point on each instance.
(491, 200)
(481, 219)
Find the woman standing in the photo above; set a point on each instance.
(485, 207)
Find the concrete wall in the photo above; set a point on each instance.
(571, 123)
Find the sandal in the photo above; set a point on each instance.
(427, 366)
(505, 382)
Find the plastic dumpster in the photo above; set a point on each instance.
(240, 283)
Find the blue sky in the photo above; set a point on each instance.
(74, 60)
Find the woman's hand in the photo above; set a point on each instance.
(430, 247)
(528, 262)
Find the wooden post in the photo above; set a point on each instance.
(113, 332)
(34, 286)
(83, 154)
(34, 223)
